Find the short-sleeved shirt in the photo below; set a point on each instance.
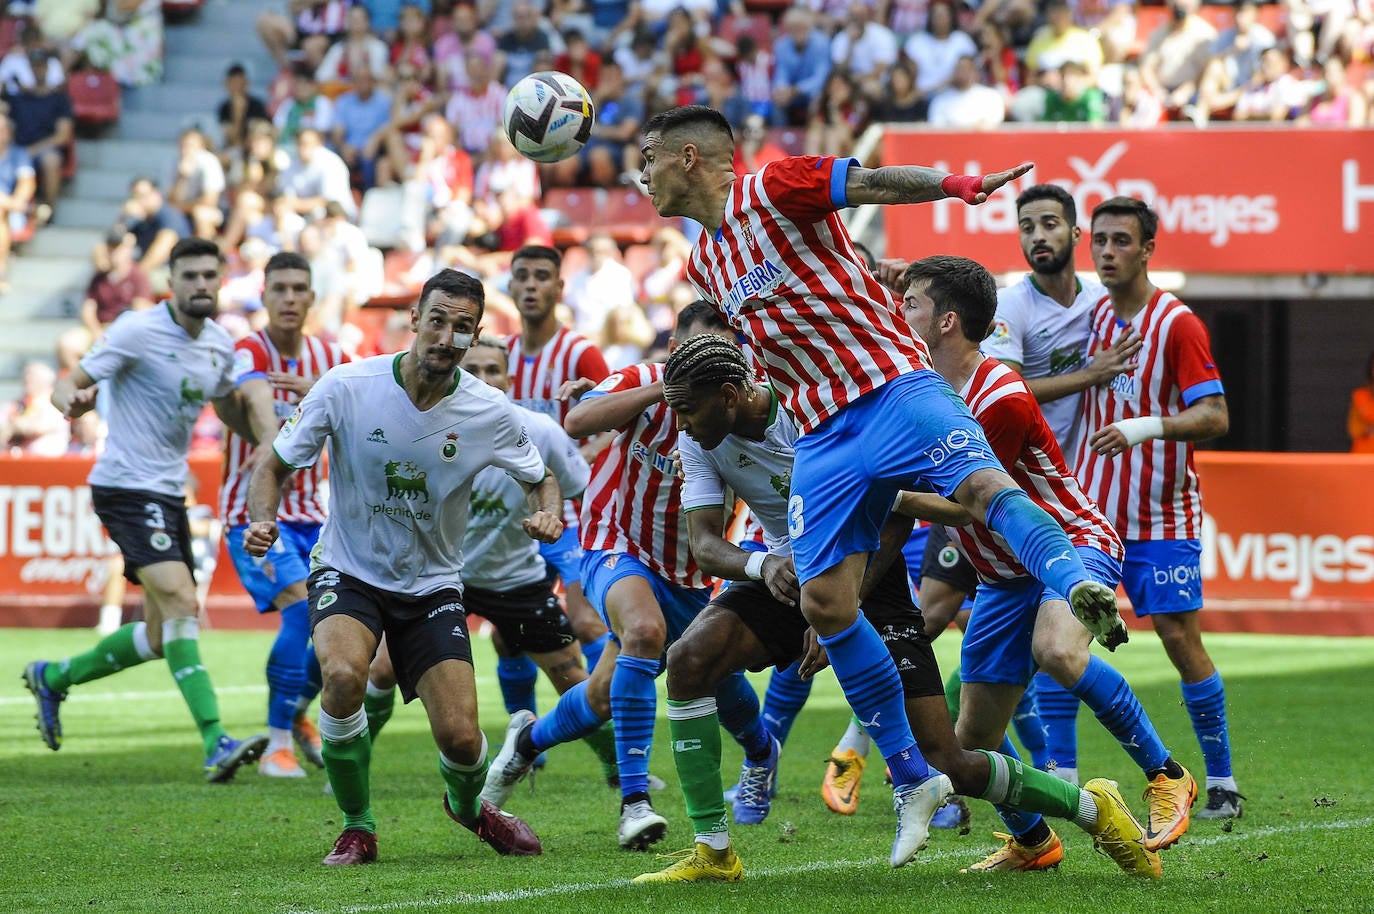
(1150, 491)
(1046, 339)
(115, 296)
(255, 110)
(36, 115)
(499, 553)
(760, 472)
(401, 478)
(157, 379)
(145, 231)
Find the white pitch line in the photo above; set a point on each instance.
(82, 697)
(468, 898)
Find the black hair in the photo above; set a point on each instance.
(1130, 206)
(869, 260)
(706, 360)
(960, 285)
(698, 316)
(285, 260)
(538, 252)
(456, 285)
(688, 117)
(195, 247)
(1050, 192)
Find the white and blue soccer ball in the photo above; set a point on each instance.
(549, 116)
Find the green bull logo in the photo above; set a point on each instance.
(191, 396)
(407, 488)
(488, 504)
(781, 484)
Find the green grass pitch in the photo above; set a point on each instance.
(121, 820)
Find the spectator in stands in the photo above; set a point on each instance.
(1237, 53)
(967, 104)
(308, 27)
(88, 440)
(44, 126)
(1177, 53)
(603, 285)
(411, 104)
(340, 261)
(754, 67)
(499, 229)
(672, 251)
(1059, 41)
(687, 51)
(257, 166)
(1359, 422)
(412, 44)
(125, 42)
(307, 108)
(754, 149)
(446, 171)
(316, 177)
(362, 116)
(503, 168)
(1273, 94)
(640, 63)
(1016, 17)
(452, 50)
(197, 183)
(1138, 107)
(1030, 103)
(719, 90)
(389, 16)
(123, 287)
(358, 48)
(1316, 28)
(901, 101)
(1116, 32)
(240, 298)
(529, 45)
(866, 49)
(998, 60)
(477, 109)
(156, 227)
(17, 66)
(239, 109)
(655, 13)
(841, 114)
(625, 336)
(1337, 104)
(1077, 100)
(31, 425)
(578, 60)
(906, 17)
(267, 217)
(937, 52)
(17, 183)
(612, 150)
(802, 62)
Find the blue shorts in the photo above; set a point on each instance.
(1163, 576)
(848, 470)
(997, 643)
(679, 605)
(287, 562)
(565, 556)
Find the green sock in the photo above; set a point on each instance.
(183, 658)
(347, 765)
(378, 704)
(464, 786)
(952, 686)
(1034, 790)
(111, 654)
(695, 729)
(602, 741)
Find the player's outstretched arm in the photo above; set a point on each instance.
(918, 184)
(74, 394)
(1208, 417)
(595, 414)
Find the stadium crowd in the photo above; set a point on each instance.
(375, 150)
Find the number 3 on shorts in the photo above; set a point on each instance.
(796, 524)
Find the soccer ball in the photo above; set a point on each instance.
(549, 116)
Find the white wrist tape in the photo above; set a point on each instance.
(1141, 428)
(754, 567)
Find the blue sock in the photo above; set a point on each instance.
(592, 652)
(1018, 821)
(1030, 730)
(1037, 539)
(874, 690)
(517, 677)
(1059, 715)
(634, 705)
(737, 705)
(786, 694)
(572, 718)
(1206, 702)
(286, 665)
(314, 679)
(1107, 693)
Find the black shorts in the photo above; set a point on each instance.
(945, 563)
(529, 619)
(421, 632)
(889, 608)
(148, 527)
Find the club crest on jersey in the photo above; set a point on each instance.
(448, 452)
(746, 230)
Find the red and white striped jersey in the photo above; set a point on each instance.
(1028, 450)
(254, 356)
(633, 503)
(536, 377)
(1150, 491)
(783, 271)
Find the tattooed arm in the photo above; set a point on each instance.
(914, 184)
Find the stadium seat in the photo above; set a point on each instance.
(9, 34)
(628, 216)
(575, 260)
(398, 288)
(792, 140)
(177, 7)
(570, 208)
(766, 6)
(756, 25)
(95, 98)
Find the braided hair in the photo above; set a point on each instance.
(705, 360)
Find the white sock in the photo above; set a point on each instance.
(854, 738)
(111, 617)
(1066, 774)
(716, 840)
(1227, 783)
(1087, 810)
(277, 738)
(342, 729)
(375, 692)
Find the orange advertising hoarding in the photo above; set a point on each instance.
(1230, 200)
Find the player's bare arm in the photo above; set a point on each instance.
(918, 184)
(931, 508)
(1207, 418)
(721, 558)
(74, 394)
(264, 498)
(609, 411)
(248, 412)
(545, 522)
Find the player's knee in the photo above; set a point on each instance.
(460, 741)
(691, 669)
(976, 734)
(644, 636)
(1064, 660)
(343, 684)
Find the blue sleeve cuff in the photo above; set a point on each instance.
(250, 376)
(839, 178)
(592, 394)
(1205, 389)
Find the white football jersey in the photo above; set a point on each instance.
(760, 472)
(157, 379)
(401, 479)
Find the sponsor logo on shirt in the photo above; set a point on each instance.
(745, 461)
(759, 280)
(664, 463)
(781, 484)
(487, 504)
(406, 487)
(192, 397)
(378, 437)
